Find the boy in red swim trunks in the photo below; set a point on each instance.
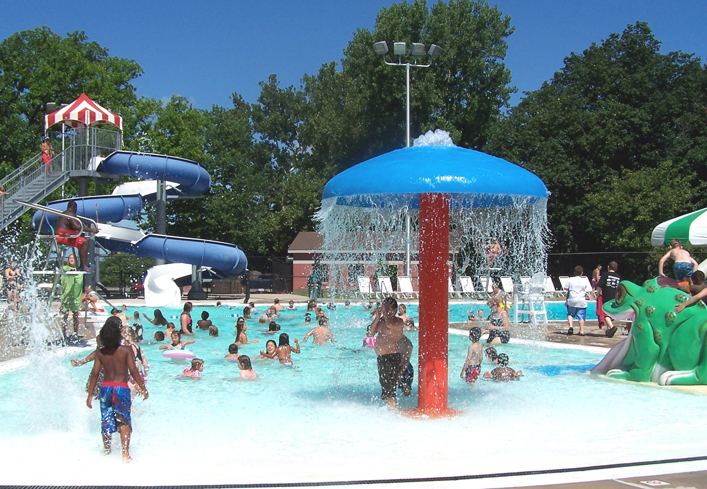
(68, 225)
(472, 366)
(116, 361)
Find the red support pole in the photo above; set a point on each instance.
(434, 301)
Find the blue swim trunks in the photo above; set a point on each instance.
(682, 270)
(578, 313)
(115, 407)
(407, 376)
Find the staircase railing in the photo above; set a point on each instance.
(34, 181)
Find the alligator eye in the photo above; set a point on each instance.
(620, 295)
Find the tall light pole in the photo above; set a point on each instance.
(417, 49)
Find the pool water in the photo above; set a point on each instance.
(324, 421)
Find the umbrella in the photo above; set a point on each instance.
(83, 112)
(689, 229)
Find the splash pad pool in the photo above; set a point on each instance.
(324, 421)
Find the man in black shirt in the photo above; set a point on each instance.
(606, 289)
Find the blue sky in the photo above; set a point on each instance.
(207, 50)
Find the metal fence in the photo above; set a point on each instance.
(76, 149)
(83, 146)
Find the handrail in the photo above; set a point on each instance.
(102, 298)
(56, 212)
(34, 181)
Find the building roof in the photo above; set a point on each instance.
(306, 242)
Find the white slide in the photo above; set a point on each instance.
(160, 289)
(142, 187)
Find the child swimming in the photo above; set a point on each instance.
(270, 350)
(284, 350)
(232, 352)
(472, 365)
(177, 343)
(503, 373)
(197, 366)
(246, 367)
(491, 354)
(241, 337)
(137, 326)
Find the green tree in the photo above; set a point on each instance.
(124, 269)
(234, 210)
(631, 204)
(262, 184)
(617, 108)
(360, 110)
(39, 66)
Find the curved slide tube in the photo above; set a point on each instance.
(192, 178)
(102, 208)
(224, 257)
(160, 288)
(614, 358)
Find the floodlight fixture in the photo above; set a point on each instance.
(418, 49)
(434, 51)
(380, 47)
(399, 48)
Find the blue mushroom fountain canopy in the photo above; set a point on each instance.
(470, 178)
(369, 214)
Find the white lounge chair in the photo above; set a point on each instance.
(550, 290)
(507, 284)
(364, 287)
(405, 286)
(385, 287)
(563, 281)
(587, 282)
(467, 285)
(452, 293)
(486, 284)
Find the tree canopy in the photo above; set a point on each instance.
(619, 122)
(39, 66)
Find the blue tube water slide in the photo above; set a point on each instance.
(192, 180)
(224, 257)
(102, 208)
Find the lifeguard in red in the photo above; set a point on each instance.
(69, 225)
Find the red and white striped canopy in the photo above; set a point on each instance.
(83, 112)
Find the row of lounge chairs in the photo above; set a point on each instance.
(465, 287)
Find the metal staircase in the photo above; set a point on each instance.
(34, 181)
(30, 183)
